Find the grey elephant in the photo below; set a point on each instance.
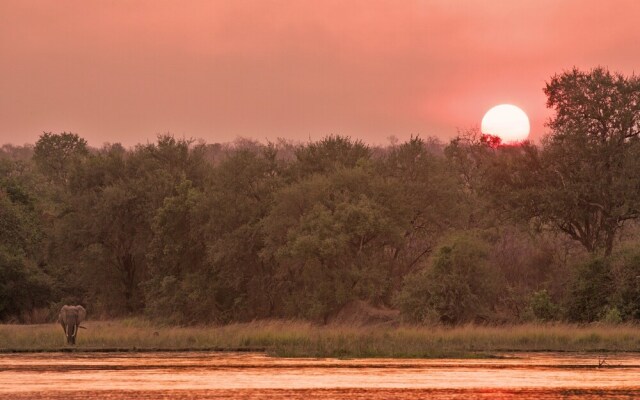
(70, 318)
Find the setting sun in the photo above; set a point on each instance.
(506, 121)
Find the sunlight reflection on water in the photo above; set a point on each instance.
(198, 375)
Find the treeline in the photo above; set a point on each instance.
(468, 231)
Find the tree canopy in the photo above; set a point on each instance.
(186, 232)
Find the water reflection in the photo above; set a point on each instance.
(228, 375)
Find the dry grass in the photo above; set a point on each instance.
(302, 339)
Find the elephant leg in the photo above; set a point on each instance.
(64, 328)
(74, 333)
(69, 333)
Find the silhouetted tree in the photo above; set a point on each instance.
(54, 154)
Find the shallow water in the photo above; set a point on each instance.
(199, 375)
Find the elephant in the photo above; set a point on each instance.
(70, 318)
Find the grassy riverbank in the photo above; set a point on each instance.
(300, 339)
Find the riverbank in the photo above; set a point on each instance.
(301, 339)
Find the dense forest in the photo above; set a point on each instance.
(185, 232)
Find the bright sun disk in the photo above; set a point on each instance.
(506, 121)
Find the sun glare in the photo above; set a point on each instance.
(506, 121)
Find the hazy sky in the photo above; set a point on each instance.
(125, 71)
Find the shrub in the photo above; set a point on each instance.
(458, 286)
(625, 272)
(590, 290)
(541, 307)
(611, 315)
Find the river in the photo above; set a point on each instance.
(204, 375)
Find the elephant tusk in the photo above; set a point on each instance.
(75, 330)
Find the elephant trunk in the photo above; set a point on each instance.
(71, 331)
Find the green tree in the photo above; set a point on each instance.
(429, 191)
(588, 178)
(590, 290)
(332, 237)
(542, 307)
(24, 285)
(459, 285)
(584, 179)
(471, 158)
(101, 240)
(204, 263)
(55, 154)
(625, 273)
(179, 288)
(530, 265)
(328, 154)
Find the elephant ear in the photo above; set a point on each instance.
(63, 313)
(82, 313)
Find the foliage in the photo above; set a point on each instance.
(625, 272)
(204, 263)
(23, 285)
(331, 236)
(328, 154)
(471, 231)
(611, 315)
(542, 307)
(583, 181)
(590, 290)
(426, 188)
(606, 289)
(55, 154)
(458, 286)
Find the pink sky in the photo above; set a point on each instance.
(125, 71)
